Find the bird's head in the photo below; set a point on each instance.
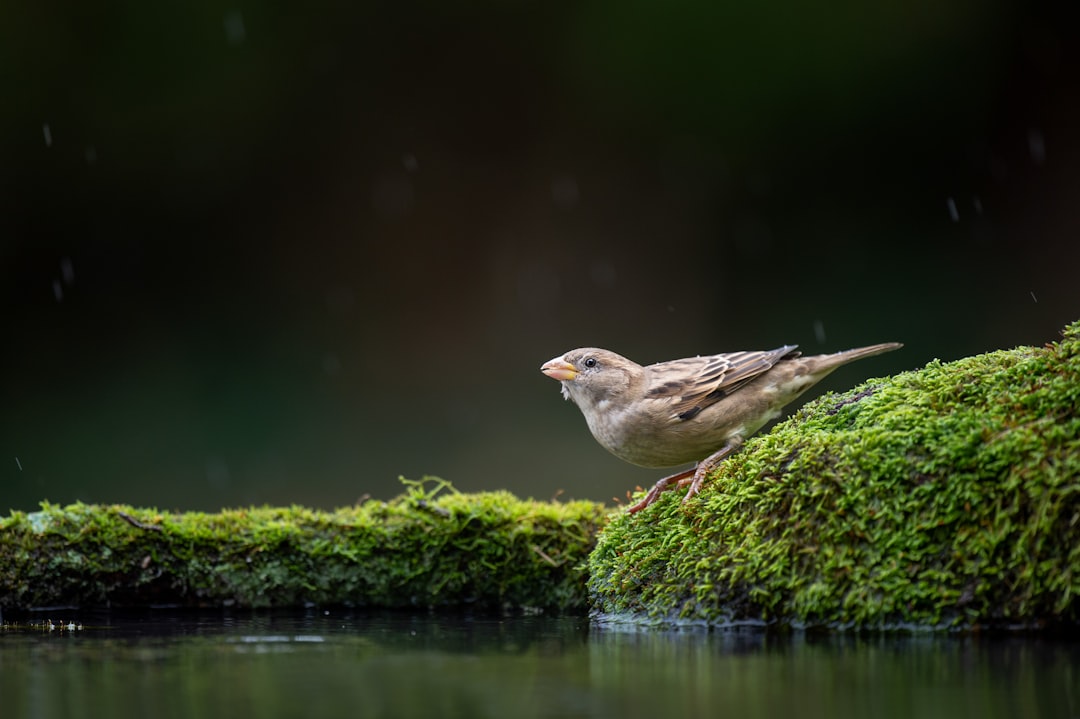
(591, 376)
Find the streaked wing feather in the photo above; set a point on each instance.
(702, 381)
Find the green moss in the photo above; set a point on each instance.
(943, 497)
(426, 548)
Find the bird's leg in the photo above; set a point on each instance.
(709, 464)
(660, 487)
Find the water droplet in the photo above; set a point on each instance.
(234, 27)
(1037, 146)
(954, 214)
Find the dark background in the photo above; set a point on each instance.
(268, 252)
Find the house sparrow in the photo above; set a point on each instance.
(670, 413)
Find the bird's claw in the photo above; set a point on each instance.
(695, 477)
(695, 483)
(661, 486)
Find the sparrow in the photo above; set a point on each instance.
(697, 409)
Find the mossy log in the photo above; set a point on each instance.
(488, 551)
(947, 497)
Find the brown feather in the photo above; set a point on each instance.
(683, 410)
(699, 382)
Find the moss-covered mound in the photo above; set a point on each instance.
(944, 497)
(419, 550)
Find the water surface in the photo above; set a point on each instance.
(337, 663)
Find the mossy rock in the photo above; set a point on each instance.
(947, 497)
(487, 550)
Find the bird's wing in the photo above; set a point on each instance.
(695, 383)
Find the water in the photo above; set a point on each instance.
(398, 665)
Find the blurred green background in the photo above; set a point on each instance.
(267, 252)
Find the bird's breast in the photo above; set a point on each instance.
(649, 436)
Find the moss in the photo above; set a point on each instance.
(943, 497)
(432, 546)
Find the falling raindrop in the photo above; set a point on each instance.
(48, 134)
(58, 290)
(67, 271)
(1034, 297)
(1037, 146)
(954, 214)
(819, 331)
(18, 464)
(234, 27)
(977, 204)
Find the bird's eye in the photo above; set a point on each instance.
(589, 362)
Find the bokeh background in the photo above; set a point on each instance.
(270, 252)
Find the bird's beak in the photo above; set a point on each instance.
(559, 369)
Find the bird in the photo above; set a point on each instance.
(697, 409)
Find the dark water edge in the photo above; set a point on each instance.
(352, 663)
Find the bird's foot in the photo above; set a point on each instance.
(659, 488)
(701, 471)
(695, 477)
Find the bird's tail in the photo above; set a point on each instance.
(821, 365)
(861, 352)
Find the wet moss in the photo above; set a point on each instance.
(430, 547)
(947, 497)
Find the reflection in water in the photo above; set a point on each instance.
(398, 665)
(751, 673)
